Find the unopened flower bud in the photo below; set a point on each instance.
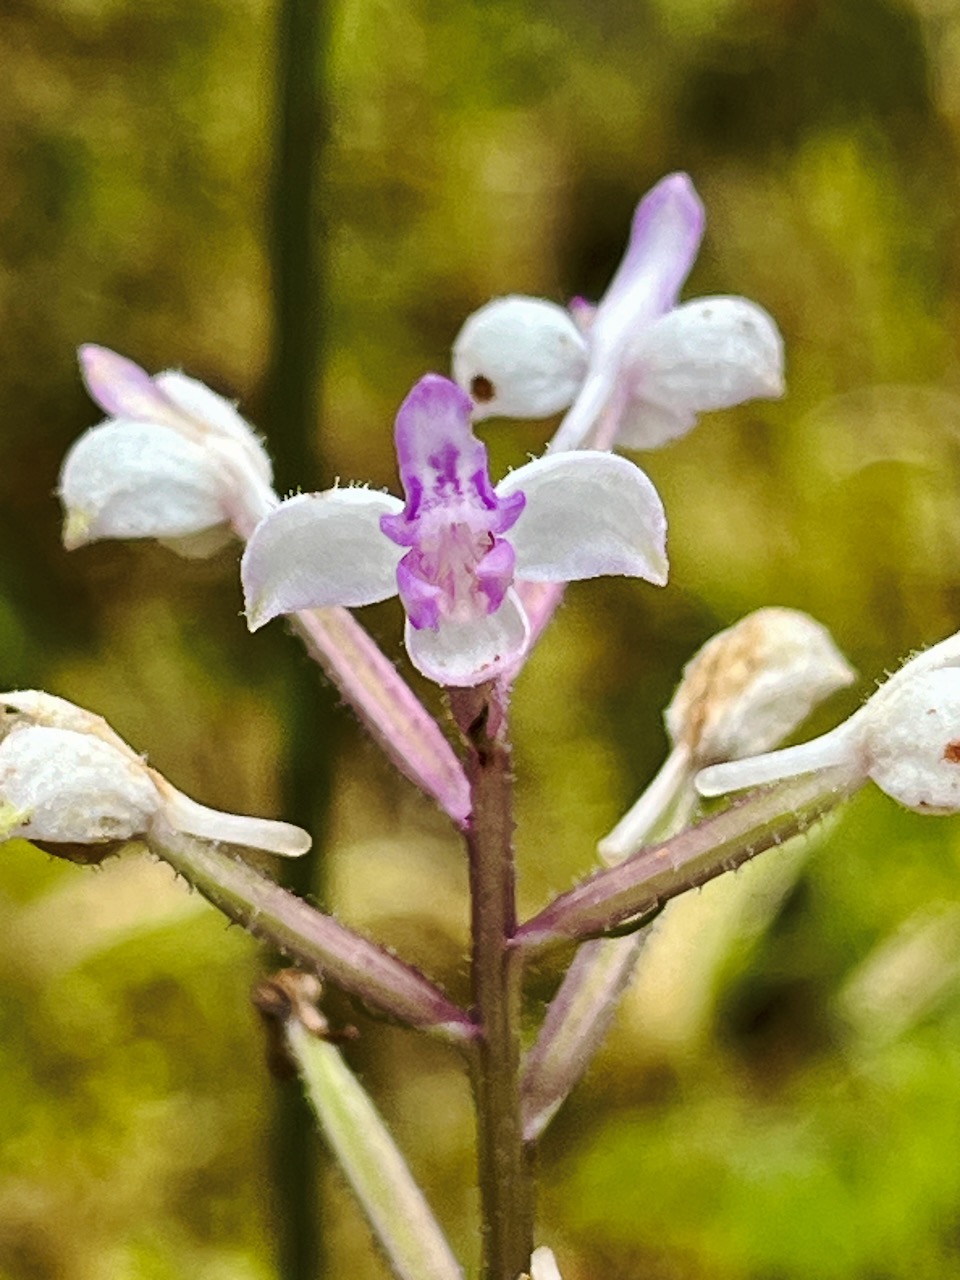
(173, 461)
(750, 686)
(67, 779)
(906, 738)
(743, 692)
(519, 357)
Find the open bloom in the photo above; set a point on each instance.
(173, 460)
(454, 548)
(638, 368)
(906, 738)
(67, 779)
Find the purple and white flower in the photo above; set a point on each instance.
(638, 368)
(455, 548)
(905, 738)
(173, 460)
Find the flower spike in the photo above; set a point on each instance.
(457, 545)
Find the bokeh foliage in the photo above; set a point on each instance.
(781, 1098)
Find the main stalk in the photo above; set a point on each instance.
(505, 1191)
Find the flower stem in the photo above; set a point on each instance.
(396, 719)
(644, 882)
(317, 941)
(505, 1188)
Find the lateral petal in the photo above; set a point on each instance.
(467, 653)
(708, 354)
(587, 514)
(320, 549)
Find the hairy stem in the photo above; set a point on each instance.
(317, 941)
(505, 1187)
(642, 884)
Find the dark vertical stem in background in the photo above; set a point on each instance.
(293, 401)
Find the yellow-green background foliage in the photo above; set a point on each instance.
(781, 1098)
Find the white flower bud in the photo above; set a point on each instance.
(750, 686)
(520, 357)
(67, 778)
(912, 742)
(61, 786)
(906, 738)
(173, 461)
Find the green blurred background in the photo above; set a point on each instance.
(781, 1098)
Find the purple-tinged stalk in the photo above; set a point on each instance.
(506, 1193)
(313, 939)
(642, 884)
(177, 462)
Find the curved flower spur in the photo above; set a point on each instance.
(66, 778)
(455, 548)
(638, 368)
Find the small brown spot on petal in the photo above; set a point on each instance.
(951, 752)
(482, 389)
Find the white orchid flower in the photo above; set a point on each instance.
(638, 368)
(173, 461)
(455, 548)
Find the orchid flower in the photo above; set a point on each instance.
(638, 368)
(66, 778)
(454, 549)
(905, 738)
(173, 460)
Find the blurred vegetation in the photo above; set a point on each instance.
(781, 1098)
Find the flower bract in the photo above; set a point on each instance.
(454, 548)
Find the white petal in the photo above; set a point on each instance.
(587, 514)
(320, 549)
(708, 354)
(643, 425)
(230, 828)
(122, 388)
(519, 357)
(212, 412)
(912, 737)
(72, 787)
(840, 746)
(126, 479)
(543, 1265)
(467, 653)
